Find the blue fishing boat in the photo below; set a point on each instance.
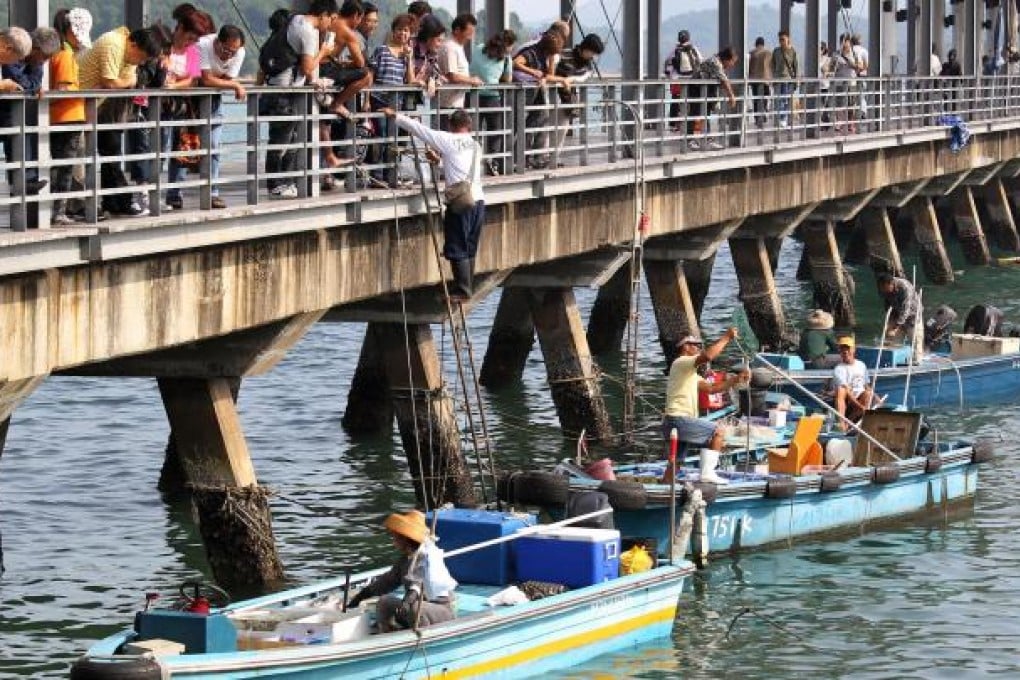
(305, 633)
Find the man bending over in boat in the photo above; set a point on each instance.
(428, 586)
(900, 296)
(682, 390)
(850, 379)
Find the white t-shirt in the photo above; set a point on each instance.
(854, 376)
(304, 38)
(208, 60)
(452, 60)
(457, 151)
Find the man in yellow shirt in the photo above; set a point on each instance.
(682, 389)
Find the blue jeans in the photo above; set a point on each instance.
(785, 91)
(178, 172)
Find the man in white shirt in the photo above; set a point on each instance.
(850, 379)
(220, 56)
(462, 161)
(454, 64)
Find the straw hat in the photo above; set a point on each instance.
(410, 525)
(820, 320)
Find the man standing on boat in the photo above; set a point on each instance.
(900, 296)
(850, 379)
(682, 390)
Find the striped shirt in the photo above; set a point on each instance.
(390, 70)
(106, 60)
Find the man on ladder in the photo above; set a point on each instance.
(465, 201)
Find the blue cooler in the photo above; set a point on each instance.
(885, 356)
(494, 566)
(572, 556)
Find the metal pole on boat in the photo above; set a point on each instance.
(913, 349)
(347, 589)
(673, 442)
(818, 400)
(878, 354)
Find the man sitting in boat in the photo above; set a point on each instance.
(818, 342)
(850, 379)
(428, 586)
(682, 390)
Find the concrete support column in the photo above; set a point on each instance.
(635, 23)
(698, 274)
(233, 510)
(758, 290)
(369, 403)
(968, 227)
(497, 17)
(884, 254)
(510, 340)
(653, 46)
(732, 33)
(876, 57)
(832, 25)
(425, 416)
(573, 374)
(931, 249)
(924, 38)
(5, 425)
(998, 215)
(136, 13)
(833, 287)
(804, 266)
(610, 314)
(672, 304)
(12, 394)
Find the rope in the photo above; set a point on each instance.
(247, 27)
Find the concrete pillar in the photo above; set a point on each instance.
(173, 480)
(758, 290)
(924, 38)
(136, 13)
(931, 249)
(369, 402)
(5, 425)
(877, 65)
(804, 266)
(774, 247)
(698, 274)
(833, 287)
(672, 304)
(635, 22)
(968, 227)
(497, 17)
(573, 375)
(12, 394)
(425, 417)
(884, 254)
(832, 24)
(997, 215)
(510, 340)
(233, 510)
(732, 33)
(610, 314)
(653, 46)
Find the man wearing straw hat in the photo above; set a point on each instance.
(818, 343)
(420, 570)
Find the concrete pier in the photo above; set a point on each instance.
(931, 249)
(573, 374)
(510, 340)
(425, 416)
(233, 511)
(173, 480)
(968, 227)
(884, 253)
(698, 274)
(997, 215)
(672, 304)
(610, 313)
(762, 304)
(369, 402)
(5, 425)
(833, 286)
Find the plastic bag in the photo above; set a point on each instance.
(635, 560)
(437, 582)
(508, 596)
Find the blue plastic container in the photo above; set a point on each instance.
(886, 356)
(787, 362)
(494, 566)
(572, 556)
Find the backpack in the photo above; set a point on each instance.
(276, 54)
(685, 59)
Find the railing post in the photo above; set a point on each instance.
(662, 113)
(205, 160)
(519, 130)
(92, 162)
(553, 136)
(585, 101)
(308, 158)
(609, 117)
(19, 210)
(43, 209)
(155, 164)
(252, 143)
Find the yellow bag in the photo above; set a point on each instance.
(635, 560)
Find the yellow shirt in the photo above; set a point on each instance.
(682, 388)
(105, 61)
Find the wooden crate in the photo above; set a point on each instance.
(896, 430)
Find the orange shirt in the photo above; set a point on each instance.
(64, 76)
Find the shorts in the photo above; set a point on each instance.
(693, 431)
(340, 75)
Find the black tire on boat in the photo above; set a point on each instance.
(983, 452)
(885, 474)
(533, 488)
(780, 488)
(709, 491)
(831, 481)
(933, 463)
(116, 668)
(625, 495)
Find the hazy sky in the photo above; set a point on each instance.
(545, 10)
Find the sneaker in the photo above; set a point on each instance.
(693, 145)
(141, 199)
(61, 220)
(175, 202)
(284, 191)
(218, 203)
(135, 210)
(715, 146)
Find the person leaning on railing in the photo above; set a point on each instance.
(74, 26)
(15, 44)
(704, 96)
(220, 57)
(491, 62)
(391, 67)
(535, 65)
(576, 66)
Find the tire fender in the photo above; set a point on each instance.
(780, 488)
(533, 488)
(933, 463)
(625, 495)
(831, 481)
(983, 451)
(885, 474)
(116, 668)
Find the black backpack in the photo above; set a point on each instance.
(277, 55)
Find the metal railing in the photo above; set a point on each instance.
(125, 148)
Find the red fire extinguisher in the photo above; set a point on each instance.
(198, 605)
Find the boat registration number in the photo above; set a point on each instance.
(725, 526)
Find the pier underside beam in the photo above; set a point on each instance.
(369, 402)
(610, 313)
(672, 304)
(833, 287)
(233, 510)
(883, 253)
(931, 249)
(997, 215)
(572, 373)
(425, 416)
(510, 340)
(5, 425)
(968, 227)
(758, 292)
(698, 274)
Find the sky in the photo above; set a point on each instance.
(532, 11)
